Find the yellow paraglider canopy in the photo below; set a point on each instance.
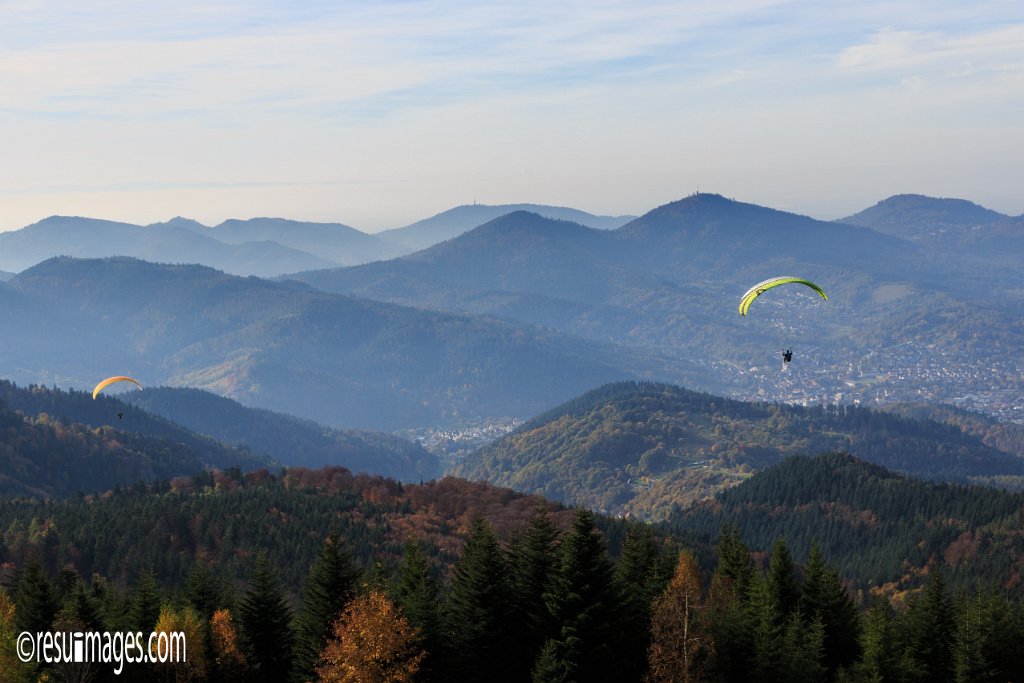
(111, 380)
(762, 287)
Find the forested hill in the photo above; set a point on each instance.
(879, 528)
(226, 518)
(291, 440)
(643, 447)
(112, 412)
(44, 456)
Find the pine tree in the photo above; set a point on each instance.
(556, 661)
(479, 604)
(266, 626)
(734, 563)
(681, 644)
(930, 629)
(802, 651)
(82, 606)
(988, 636)
(584, 601)
(766, 625)
(824, 597)
(534, 563)
(731, 626)
(35, 602)
(330, 586)
(203, 590)
(144, 602)
(883, 654)
(639, 573)
(416, 593)
(782, 579)
(371, 642)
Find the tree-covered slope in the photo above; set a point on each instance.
(45, 454)
(226, 518)
(643, 447)
(877, 526)
(292, 441)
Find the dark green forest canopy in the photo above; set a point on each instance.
(227, 517)
(879, 528)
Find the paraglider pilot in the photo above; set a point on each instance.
(787, 356)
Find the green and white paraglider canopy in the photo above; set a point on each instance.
(762, 287)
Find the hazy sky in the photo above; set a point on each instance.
(376, 114)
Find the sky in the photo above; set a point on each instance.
(376, 114)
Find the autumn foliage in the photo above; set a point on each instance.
(372, 643)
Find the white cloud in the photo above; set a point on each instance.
(621, 102)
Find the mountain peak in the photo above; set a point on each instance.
(916, 217)
(180, 222)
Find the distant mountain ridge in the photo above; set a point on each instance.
(334, 241)
(669, 281)
(167, 243)
(344, 362)
(263, 246)
(917, 217)
(456, 221)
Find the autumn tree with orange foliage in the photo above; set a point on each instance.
(227, 658)
(187, 621)
(11, 668)
(681, 641)
(372, 643)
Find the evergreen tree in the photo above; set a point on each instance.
(732, 630)
(734, 563)
(930, 630)
(416, 592)
(265, 620)
(988, 638)
(144, 602)
(802, 651)
(203, 589)
(81, 606)
(638, 572)
(823, 597)
(884, 656)
(767, 630)
(534, 562)
(585, 600)
(481, 634)
(34, 600)
(331, 585)
(782, 579)
(556, 662)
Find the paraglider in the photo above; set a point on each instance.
(762, 287)
(111, 380)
